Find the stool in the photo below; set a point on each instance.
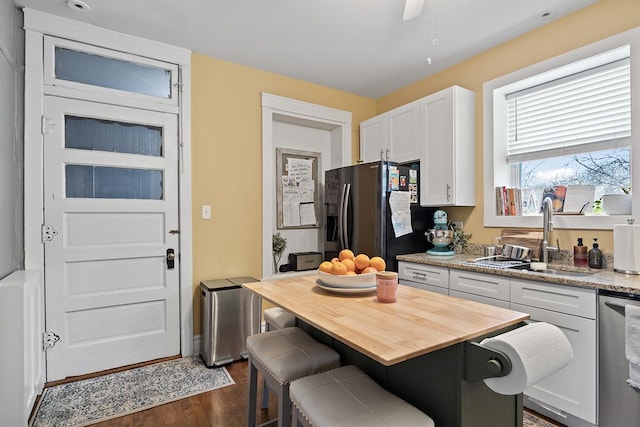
(346, 396)
(282, 356)
(275, 318)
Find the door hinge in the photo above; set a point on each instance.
(47, 125)
(48, 233)
(49, 339)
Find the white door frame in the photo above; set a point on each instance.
(280, 109)
(36, 25)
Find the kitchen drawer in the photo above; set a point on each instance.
(560, 298)
(431, 288)
(424, 274)
(488, 285)
(478, 298)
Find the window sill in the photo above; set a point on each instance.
(577, 222)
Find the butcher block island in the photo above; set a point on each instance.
(421, 348)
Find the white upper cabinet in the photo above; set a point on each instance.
(392, 136)
(447, 158)
(438, 130)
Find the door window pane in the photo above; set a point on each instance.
(100, 182)
(86, 133)
(96, 70)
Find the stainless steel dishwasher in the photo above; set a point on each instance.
(619, 403)
(229, 314)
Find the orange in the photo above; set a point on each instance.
(325, 267)
(351, 266)
(362, 261)
(368, 270)
(346, 254)
(350, 273)
(334, 260)
(377, 263)
(338, 268)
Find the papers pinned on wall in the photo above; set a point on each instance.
(400, 205)
(298, 203)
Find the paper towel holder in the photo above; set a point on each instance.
(481, 362)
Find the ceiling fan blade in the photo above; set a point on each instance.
(412, 8)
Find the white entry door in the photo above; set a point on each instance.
(111, 222)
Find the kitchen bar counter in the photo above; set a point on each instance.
(597, 279)
(420, 322)
(419, 348)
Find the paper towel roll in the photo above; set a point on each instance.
(626, 248)
(536, 351)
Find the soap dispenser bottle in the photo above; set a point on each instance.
(595, 255)
(580, 255)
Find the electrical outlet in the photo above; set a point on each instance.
(458, 225)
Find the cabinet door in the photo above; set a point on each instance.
(478, 298)
(425, 287)
(404, 129)
(447, 141)
(437, 170)
(373, 139)
(573, 388)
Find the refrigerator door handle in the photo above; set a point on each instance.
(340, 210)
(345, 217)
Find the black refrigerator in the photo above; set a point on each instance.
(359, 217)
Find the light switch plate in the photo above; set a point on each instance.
(206, 212)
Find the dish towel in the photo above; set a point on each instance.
(632, 343)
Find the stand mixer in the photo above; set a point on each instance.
(440, 235)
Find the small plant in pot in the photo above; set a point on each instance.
(279, 244)
(617, 204)
(460, 241)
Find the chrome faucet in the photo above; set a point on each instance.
(547, 226)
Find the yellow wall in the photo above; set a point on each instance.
(227, 161)
(227, 134)
(601, 20)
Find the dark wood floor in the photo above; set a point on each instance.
(225, 407)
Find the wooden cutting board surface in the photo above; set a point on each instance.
(527, 238)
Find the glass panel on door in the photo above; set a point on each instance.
(100, 182)
(102, 71)
(86, 133)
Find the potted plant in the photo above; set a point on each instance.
(460, 241)
(617, 204)
(279, 244)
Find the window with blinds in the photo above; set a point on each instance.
(583, 112)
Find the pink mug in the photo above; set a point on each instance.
(387, 286)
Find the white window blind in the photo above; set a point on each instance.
(583, 112)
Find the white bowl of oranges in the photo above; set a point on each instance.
(350, 270)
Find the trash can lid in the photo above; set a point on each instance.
(243, 279)
(218, 285)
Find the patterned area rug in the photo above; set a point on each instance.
(89, 401)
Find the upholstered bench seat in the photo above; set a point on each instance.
(277, 318)
(283, 356)
(347, 397)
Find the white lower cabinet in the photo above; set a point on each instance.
(572, 391)
(481, 287)
(570, 394)
(427, 277)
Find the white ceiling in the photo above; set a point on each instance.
(359, 46)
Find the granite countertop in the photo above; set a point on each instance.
(605, 278)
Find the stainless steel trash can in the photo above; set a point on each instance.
(229, 314)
